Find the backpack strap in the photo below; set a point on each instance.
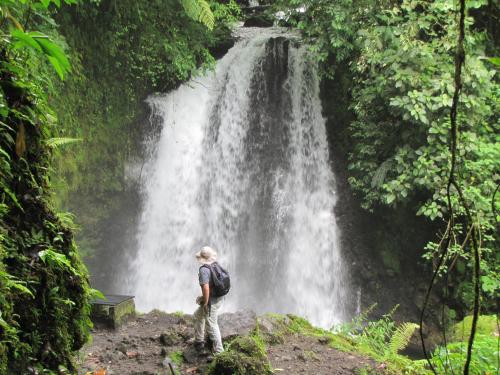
(212, 280)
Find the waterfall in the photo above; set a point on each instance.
(242, 165)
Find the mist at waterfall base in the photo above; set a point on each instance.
(242, 165)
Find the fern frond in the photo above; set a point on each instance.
(57, 142)
(200, 11)
(379, 175)
(191, 8)
(401, 337)
(206, 16)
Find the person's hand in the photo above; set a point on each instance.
(205, 308)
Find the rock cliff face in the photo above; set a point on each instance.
(384, 248)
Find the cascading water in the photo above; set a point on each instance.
(242, 165)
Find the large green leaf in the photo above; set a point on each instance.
(199, 10)
(494, 60)
(22, 39)
(52, 49)
(56, 142)
(42, 44)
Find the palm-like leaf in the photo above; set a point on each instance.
(199, 10)
(57, 142)
(401, 337)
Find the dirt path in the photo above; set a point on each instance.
(142, 345)
(309, 355)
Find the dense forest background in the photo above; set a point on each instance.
(73, 118)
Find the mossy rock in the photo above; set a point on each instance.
(170, 338)
(261, 20)
(486, 325)
(245, 356)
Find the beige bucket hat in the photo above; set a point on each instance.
(206, 255)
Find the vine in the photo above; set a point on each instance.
(474, 231)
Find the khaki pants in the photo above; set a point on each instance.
(202, 319)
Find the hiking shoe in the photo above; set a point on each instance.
(199, 346)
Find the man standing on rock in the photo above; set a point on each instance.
(214, 283)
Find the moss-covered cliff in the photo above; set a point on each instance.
(44, 291)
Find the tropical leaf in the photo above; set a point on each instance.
(54, 53)
(42, 44)
(401, 337)
(13, 197)
(12, 283)
(21, 140)
(379, 175)
(97, 294)
(56, 260)
(22, 39)
(200, 11)
(61, 141)
(494, 60)
(206, 16)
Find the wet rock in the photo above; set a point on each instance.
(266, 324)
(111, 357)
(121, 347)
(105, 358)
(192, 356)
(259, 21)
(170, 338)
(324, 340)
(119, 356)
(237, 324)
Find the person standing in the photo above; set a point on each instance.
(214, 283)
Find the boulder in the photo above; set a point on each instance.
(193, 356)
(170, 338)
(237, 324)
(259, 21)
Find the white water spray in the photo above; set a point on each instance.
(242, 165)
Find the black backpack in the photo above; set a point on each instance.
(220, 280)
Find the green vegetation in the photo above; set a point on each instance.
(486, 325)
(74, 75)
(381, 340)
(398, 60)
(244, 356)
(44, 289)
(485, 358)
(176, 357)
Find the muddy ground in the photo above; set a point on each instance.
(144, 345)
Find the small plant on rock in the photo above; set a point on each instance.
(244, 356)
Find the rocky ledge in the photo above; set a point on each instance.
(159, 343)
